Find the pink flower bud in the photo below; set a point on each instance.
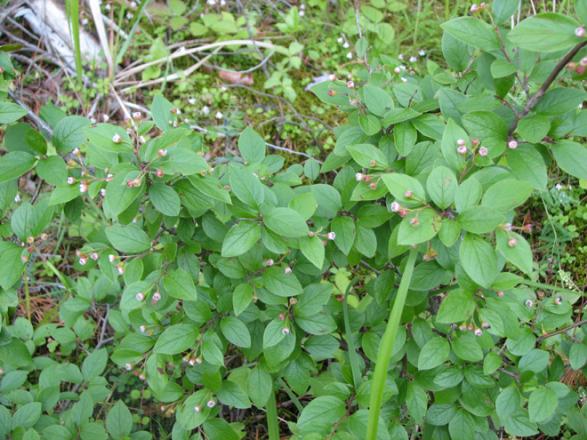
(462, 149)
(478, 332)
(94, 256)
(285, 331)
(162, 152)
(117, 138)
(483, 151)
(156, 297)
(83, 261)
(287, 270)
(529, 303)
(395, 207)
(580, 32)
(512, 242)
(513, 144)
(211, 403)
(409, 194)
(461, 142)
(350, 84)
(331, 235)
(269, 262)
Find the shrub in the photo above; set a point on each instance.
(389, 290)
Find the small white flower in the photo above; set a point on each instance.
(94, 256)
(580, 32)
(269, 262)
(508, 226)
(120, 269)
(413, 59)
(192, 101)
(70, 180)
(198, 408)
(397, 70)
(211, 403)
(301, 13)
(117, 138)
(129, 15)
(205, 110)
(483, 151)
(350, 84)
(192, 362)
(17, 198)
(349, 55)
(76, 151)
(461, 142)
(331, 235)
(478, 332)
(142, 328)
(83, 187)
(559, 186)
(219, 115)
(108, 7)
(401, 57)
(111, 258)
(340, 40)
(346, 45)
(359, 177)
(422, 52)
(162, 152)
(513, 144)
(140, 296)
(128, 366)
(103, 192)
(403, 79)
(156, 297)
(529, 303)
(402, 67)
(137, 116)
(474, 8)
(395, 207)
(462, 149)
(285, 331)
(83, 261)
(287, 270)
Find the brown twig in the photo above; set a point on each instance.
(547, 83)
(562, 330)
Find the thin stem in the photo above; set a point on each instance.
(349, 337)
(386, 347)
(272, 422)
(137, 19)
(547, 83)
(73, 16)
(563, 330)
(549, 287)
(27, 297)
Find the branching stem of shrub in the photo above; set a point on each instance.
(386, 347)
(547, 83)
(272, 422)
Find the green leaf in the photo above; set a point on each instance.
(404, 188)
(165, 199)
(418, 226)
(280, 283)
(241, 298)
(259, 386)
(179, 284)
(95, 364)
(11, 265)
(246, 186)
(70, 133)
(285, 222)
(52, 170)
(570, 156)
(478, 260)
(368, 156)
(15, 164)
(377, 100)
(344, 228)
(578, 356)
(434, 353)
(467, 348)
(320, 415)
(305, 204)
(542, 404)
(404, 138)
(23, 137)
(240, 238)
(468, 194)
(533, 128)
(473, 32)
(369, 124)
(480, 219)
(506, 194)
(235, 331)
(515, 249)
(251, 146)
(462, 426)
(130, 239)
(503, 9)
(161, 112)
(416, 401)
(453, 133)
(457, 306)
(273, 333)
(10, 112)
(313, 250)
(442, 186)
(560, 101)
(176, 339)
(527, 164)
(27, 415)
(548, 32)
(119, 420)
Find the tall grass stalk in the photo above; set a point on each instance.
(72, 11)
(386, 347)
